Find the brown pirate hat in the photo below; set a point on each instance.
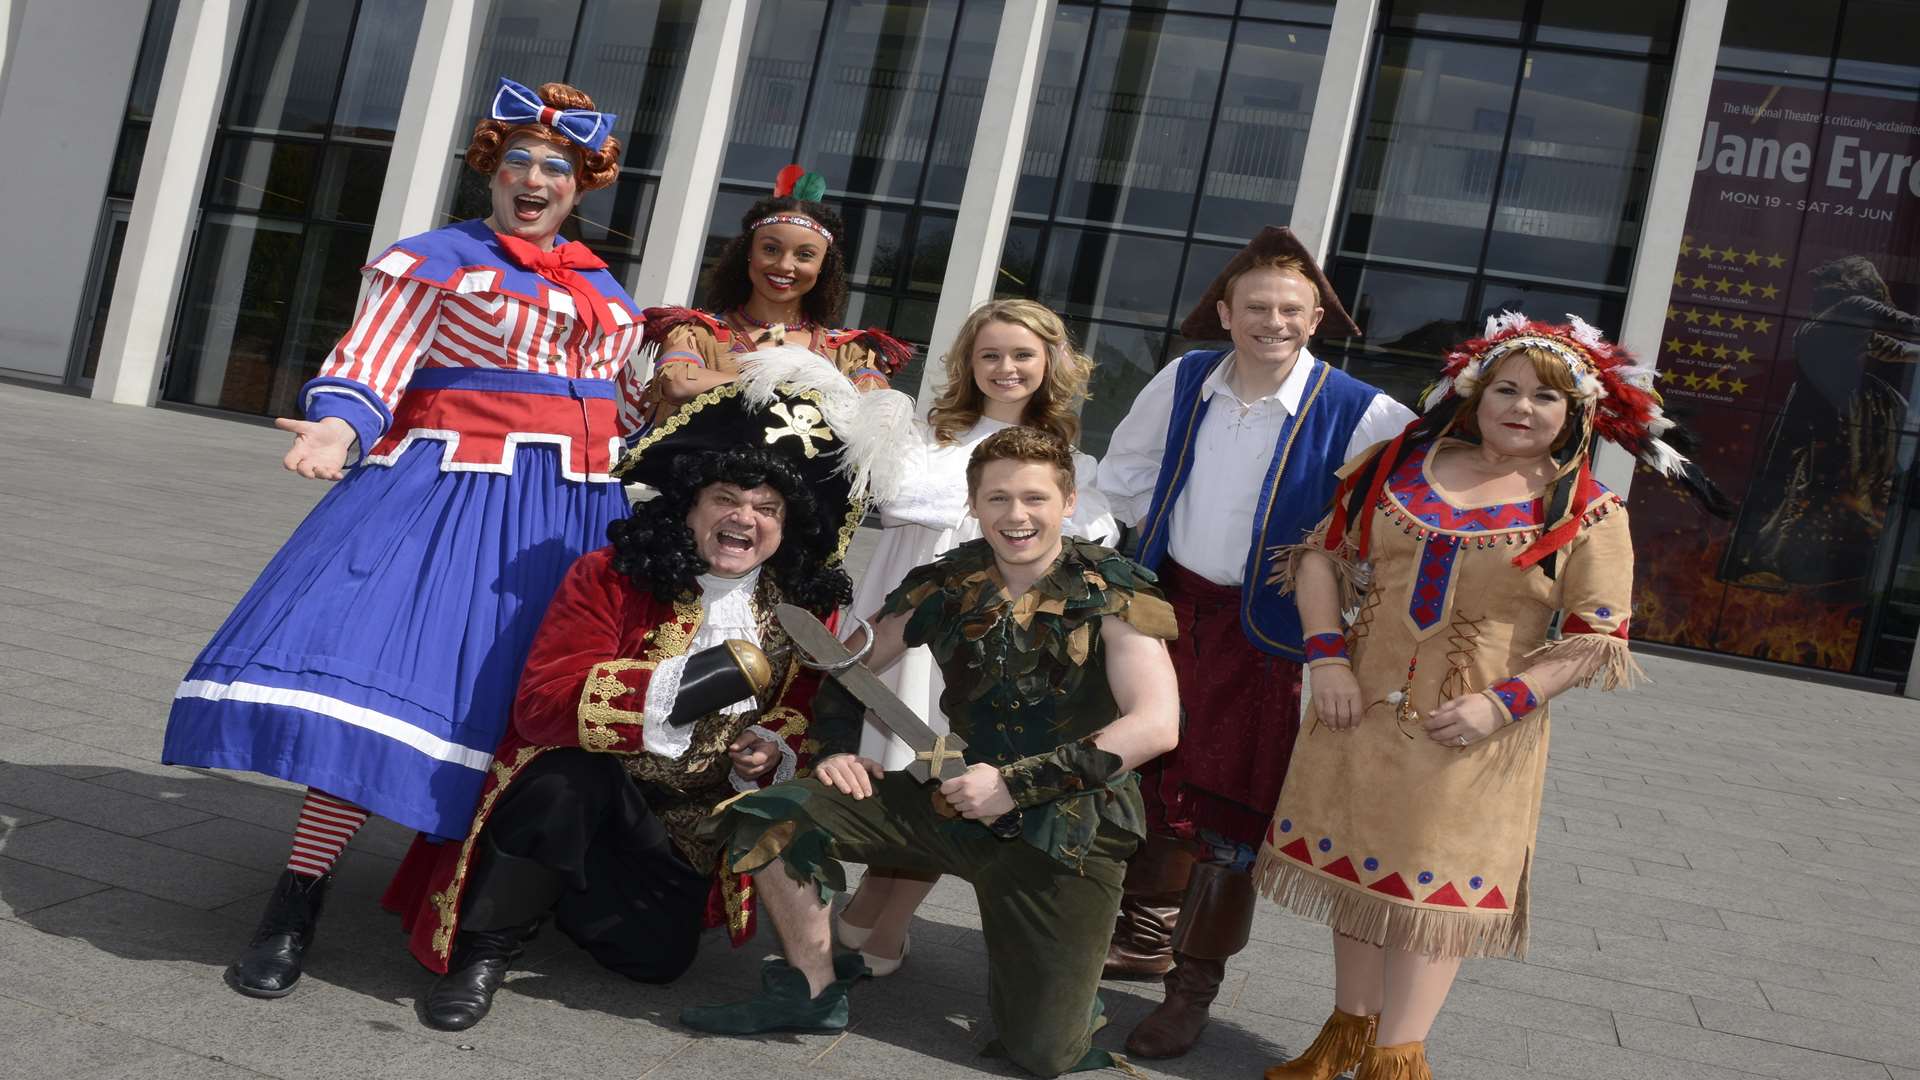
(1203, 322)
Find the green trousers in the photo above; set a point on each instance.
(1046, 925)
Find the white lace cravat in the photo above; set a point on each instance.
(727, 604)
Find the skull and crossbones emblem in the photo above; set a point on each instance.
(803, 422)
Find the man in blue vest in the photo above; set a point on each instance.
(1226, 455)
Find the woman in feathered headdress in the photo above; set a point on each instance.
(1408, 815)
(781, 279)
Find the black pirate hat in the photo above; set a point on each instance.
(847, 446)
(1203, 322)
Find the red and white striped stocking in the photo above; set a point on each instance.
(326, 824)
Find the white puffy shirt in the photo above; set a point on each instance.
(1212, 527)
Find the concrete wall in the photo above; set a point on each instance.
(70, 65)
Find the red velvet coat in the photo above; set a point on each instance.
(585, 685)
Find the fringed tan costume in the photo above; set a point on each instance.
(1393, 834)
(1384, 834)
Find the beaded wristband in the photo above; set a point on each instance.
(1330, 647)
(1514, 698)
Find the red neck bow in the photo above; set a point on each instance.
(561, 266)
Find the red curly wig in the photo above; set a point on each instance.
(595, 168)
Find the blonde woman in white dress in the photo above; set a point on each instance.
(1011, 364)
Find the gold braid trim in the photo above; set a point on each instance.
(446, 902)
(598, 714)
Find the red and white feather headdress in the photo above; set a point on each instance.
(1613, 398)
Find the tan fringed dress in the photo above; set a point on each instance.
(1384, 834)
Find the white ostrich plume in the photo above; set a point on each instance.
(874, 426)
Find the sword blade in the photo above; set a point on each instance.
(813, 638)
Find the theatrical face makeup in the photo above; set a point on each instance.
(1269, 314)
(1021, 507)
(784, 261)
(1519, 415)
(1009, 362)
(534, 190)
(736, 529)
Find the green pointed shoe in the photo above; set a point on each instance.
(782, 1003)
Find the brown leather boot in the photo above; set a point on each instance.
(1338, 1047)
(1157, 876)
(1405, 1061)
(1216, 917)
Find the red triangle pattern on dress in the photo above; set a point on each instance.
(1447, 895)
(1342, 867)
(1494, 901)
(1393, 885)
(1298, 851)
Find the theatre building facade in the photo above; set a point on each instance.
(1731, 189)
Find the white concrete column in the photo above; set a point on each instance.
(431, 129)
(1336, 107)
(10, 13)
(677, 234)
(166, 206)
(1658, 255)
(993, 172)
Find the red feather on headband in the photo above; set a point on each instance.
(784, 180)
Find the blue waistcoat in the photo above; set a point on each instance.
(1294, 496)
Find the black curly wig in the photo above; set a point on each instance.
(655, 549)
(727, 286)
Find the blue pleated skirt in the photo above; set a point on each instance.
(377, 656)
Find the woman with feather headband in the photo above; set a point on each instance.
(1455, 544)
(782, 279)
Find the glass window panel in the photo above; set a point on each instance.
(1140, 135)
(528, 41)
(1106, 276)
(256, 174)
(1053, 110)
(878, 85)
(1792, 39)
(1577, 168)
(966, 86)
(912, 321)
(1019, 273)
(1410, 315)
(320, 310)
(873, 245)
(1487, 18)
(1401, 381)
(1206, 7)
(1204, 263)
(1637, 26)
(631, 58)
(287, 66)
(377, 66)
(1260, 133)
(103, 304)
(773, 93)
(126, 160)
(1312, 11)
(1124, 358)
(868, 309)
(470, 198)
(233, 317)
(728, 208)
(350, 182)
(932, 242)
(1545, 303)
(153, 59)
(614, 219)
(1424, 171)
(1877, 43)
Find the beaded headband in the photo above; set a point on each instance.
(793, 219)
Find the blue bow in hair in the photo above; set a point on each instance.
(515, 104)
